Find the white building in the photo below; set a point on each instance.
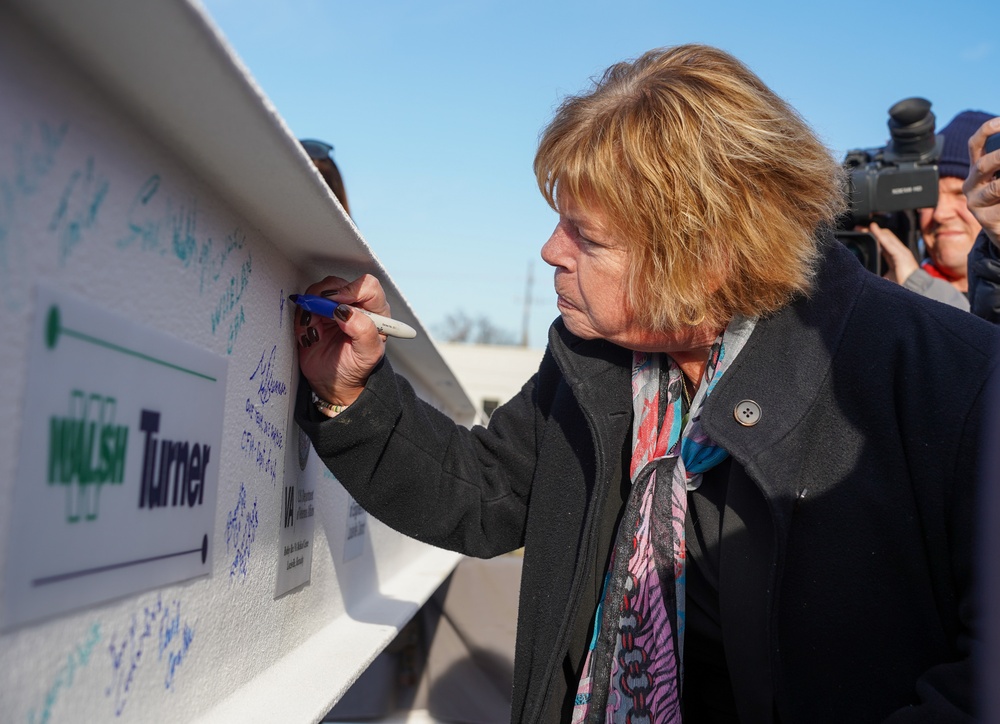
(490, 373)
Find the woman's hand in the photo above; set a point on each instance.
(982, 189)
(337, 355)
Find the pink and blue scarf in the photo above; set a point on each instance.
(634, 668)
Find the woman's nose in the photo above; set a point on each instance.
(554, 251)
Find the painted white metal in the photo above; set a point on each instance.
(165, 64)
(141, 169)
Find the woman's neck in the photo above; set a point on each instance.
(692, 364)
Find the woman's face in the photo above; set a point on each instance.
(590, 278)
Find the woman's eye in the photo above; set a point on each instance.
(586, 241)
(574, 232)
(579, 235)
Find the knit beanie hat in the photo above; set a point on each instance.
(955, 156)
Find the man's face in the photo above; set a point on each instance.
(949, 230)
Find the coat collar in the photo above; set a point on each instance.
(597, 371)
(785, 363)
(782, 368)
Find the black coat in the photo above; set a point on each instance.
(846, 562)
(984, 279)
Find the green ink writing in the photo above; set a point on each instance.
(76, 659)
(231, 296)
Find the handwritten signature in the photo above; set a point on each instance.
(241, 529)
(76, 659)
(268, 385)
(158, 624)
(34, 152)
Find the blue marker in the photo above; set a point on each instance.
(324, 307)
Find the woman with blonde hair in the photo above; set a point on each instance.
(721, 473)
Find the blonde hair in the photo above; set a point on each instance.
(715, 185)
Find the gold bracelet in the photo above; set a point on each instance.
(324, 405)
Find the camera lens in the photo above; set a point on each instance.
(911, 125)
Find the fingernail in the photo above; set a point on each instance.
(330, 293)
(304, 341)
(313, 334)
(305, 318)
(343, 312)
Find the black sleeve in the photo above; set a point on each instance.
(419, 472)
(984, 279)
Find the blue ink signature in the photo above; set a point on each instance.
(260, 452)
(268, 428)
(173, 640)
(257, 443)
(241, 529)
(268, 385)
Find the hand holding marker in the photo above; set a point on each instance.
(325, 307)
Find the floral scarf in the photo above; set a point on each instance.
(633, 666)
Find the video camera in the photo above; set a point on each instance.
(886, 185)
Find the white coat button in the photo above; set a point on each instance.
(747, 413)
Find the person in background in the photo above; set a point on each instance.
(744, 488)
(948, 230)
(321, 154)
(982, 192)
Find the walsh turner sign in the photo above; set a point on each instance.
(119, 461)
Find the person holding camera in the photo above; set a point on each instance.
(982, 192)
(948, 230)
(744, 488)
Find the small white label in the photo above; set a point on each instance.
(357, 530)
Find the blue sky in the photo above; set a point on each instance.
(435, 107)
